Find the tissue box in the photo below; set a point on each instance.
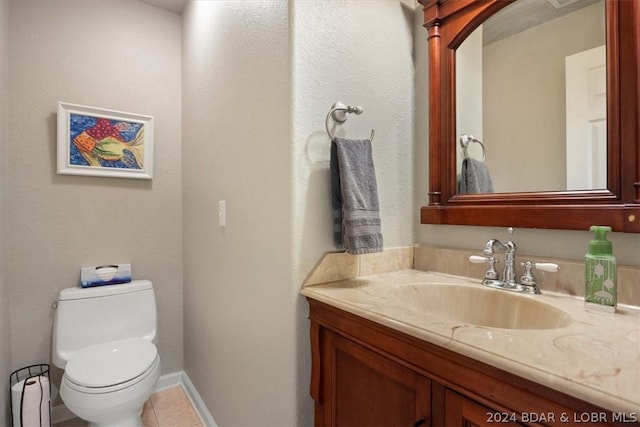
(105, 275)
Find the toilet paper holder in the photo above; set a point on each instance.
(37, 412)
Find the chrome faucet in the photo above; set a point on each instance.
(492, 279)
(509, 249)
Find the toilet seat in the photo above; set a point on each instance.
(111, 366)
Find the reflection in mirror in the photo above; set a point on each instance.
(531, 85)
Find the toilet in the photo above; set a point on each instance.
(104, 339)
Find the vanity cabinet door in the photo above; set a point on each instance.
(464, 412)
(363, 388)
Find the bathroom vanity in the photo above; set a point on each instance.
(407, 348)
(376, 355)
(382, 356)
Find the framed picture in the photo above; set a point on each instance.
(98, 142)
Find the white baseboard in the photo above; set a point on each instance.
(61, 413)
(196, 400)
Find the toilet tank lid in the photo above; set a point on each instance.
(100, 291)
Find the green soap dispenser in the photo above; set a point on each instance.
(600, 273)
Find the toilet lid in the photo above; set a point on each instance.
(111, 363)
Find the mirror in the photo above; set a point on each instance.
(614, 201)
(534, 75)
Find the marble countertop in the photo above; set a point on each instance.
(595, 358)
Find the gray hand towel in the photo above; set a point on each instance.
(475, 178)
(354, 194)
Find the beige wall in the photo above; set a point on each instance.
(257, 140)
(240, 349)
(524, 102)
(360, 53)
(121, 55)
(469, 96)
(5, 330)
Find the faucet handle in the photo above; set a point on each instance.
(528, 280)
(546, 266)
(491, 273)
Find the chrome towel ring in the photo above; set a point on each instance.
(464, 143)
(339, 113)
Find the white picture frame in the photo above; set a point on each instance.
(100, 142)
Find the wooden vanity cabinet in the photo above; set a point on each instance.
(366, 374)
(368, 389)
(462, 411)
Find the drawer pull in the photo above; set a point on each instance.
(419, 422)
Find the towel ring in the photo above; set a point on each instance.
(464, 143)
(339, 113)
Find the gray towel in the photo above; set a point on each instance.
(354, 194)
(475, 178)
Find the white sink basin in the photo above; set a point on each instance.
(480, 306)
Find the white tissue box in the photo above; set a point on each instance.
(105, 275)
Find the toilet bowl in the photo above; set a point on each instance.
(108, 383)
(104, 339)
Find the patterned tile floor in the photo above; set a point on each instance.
(167, 408)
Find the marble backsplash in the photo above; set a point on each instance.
(335, 266)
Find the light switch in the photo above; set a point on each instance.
(222, 213)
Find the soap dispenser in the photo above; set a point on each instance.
(600, 273)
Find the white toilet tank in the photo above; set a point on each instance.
(104, 313)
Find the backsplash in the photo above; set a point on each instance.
(335, 266)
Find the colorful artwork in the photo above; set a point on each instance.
(100, 142)
(105, 143)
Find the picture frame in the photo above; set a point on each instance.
(100, 142)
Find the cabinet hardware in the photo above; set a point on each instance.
(419, 422)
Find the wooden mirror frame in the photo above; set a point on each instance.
(449, 22)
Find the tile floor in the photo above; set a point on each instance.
(167, 408)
